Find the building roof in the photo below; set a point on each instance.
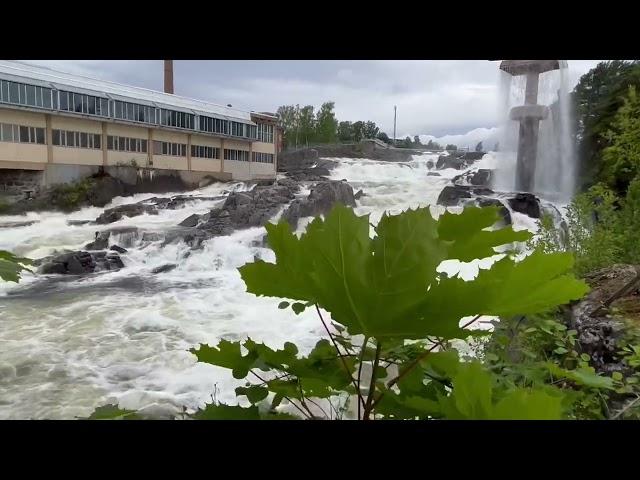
(47, 77)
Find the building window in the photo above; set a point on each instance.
(7, 133)
(169, 148)
(265, 133)
(202, 151)
(66, 138)
(239, 129)
(172, 118)
(22, 94)
(238, 155)
(262, 157)
(21, 134)
(125, 144)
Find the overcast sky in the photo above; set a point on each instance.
(435, 97)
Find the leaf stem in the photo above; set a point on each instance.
(344, 363)
(362, 350)
(285, 397)
(372, 384)
(418, 359)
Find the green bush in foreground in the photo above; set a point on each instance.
(393, 313)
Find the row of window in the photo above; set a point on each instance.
(263, 157)
(81, 103)
(126, 144)
(67, 138)
(213, 125)
(21, 94)
(169, 148)
(134, 112)
(43, 97)
(239, 155)
(20, 134)
(202, 151)
(264, 133)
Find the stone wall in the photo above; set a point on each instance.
(20, 183)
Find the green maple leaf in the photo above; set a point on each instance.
(11, 266)
(113, 412)
(228, 355)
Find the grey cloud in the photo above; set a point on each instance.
(433, 97)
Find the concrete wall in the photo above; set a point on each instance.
(17, 183)
(238, 170)
(65, 164)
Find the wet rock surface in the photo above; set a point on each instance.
(600, 318)
(526, 203)
(80, 263)
(320, 201)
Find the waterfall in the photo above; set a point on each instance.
(555, 171)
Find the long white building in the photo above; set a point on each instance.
(69, 125)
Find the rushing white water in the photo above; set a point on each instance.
(556, 160)
(68, 345)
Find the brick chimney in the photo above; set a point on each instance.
(168, 76)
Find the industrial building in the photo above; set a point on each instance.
(67, 126)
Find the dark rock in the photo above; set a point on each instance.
(164, 268)
(130, 210)
(101, 241)
(73, 263)
(190, 221)
(320, 201)
(526, 203)
(601, 328)
(473, 156)
(450, 161)
(118, 249)
(430, 164)
(17, 224)
(481, 177)
(433, 174)
(105, 189)
(261, 242)
(74, 223)
(359, 194)
(451, 195)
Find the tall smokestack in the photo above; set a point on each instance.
(168, 76)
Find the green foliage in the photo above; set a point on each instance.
(11, 266)
(393, 313)
(71, 196)
(621, 159)
(479, 147)
(596, 99)
(601, 229)
(112, 412)
(451, 147)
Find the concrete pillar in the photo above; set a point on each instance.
(149, 147)
(49, 137)
(105, 152)
(189, 152)
(221, 155)
(531, 91)
(527, 153)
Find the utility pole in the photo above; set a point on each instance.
(395, 108)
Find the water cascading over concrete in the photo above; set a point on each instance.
(529, 116)
(536, 147)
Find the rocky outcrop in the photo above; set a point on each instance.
(599, 318)
(130, 210)
(526, 203)
(81, 263)
(164, 268)
(459, 195)
(190, 221)
(101, 241)
(458, 160)
(320, 200)
(479, 178)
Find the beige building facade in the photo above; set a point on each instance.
(50, 118)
